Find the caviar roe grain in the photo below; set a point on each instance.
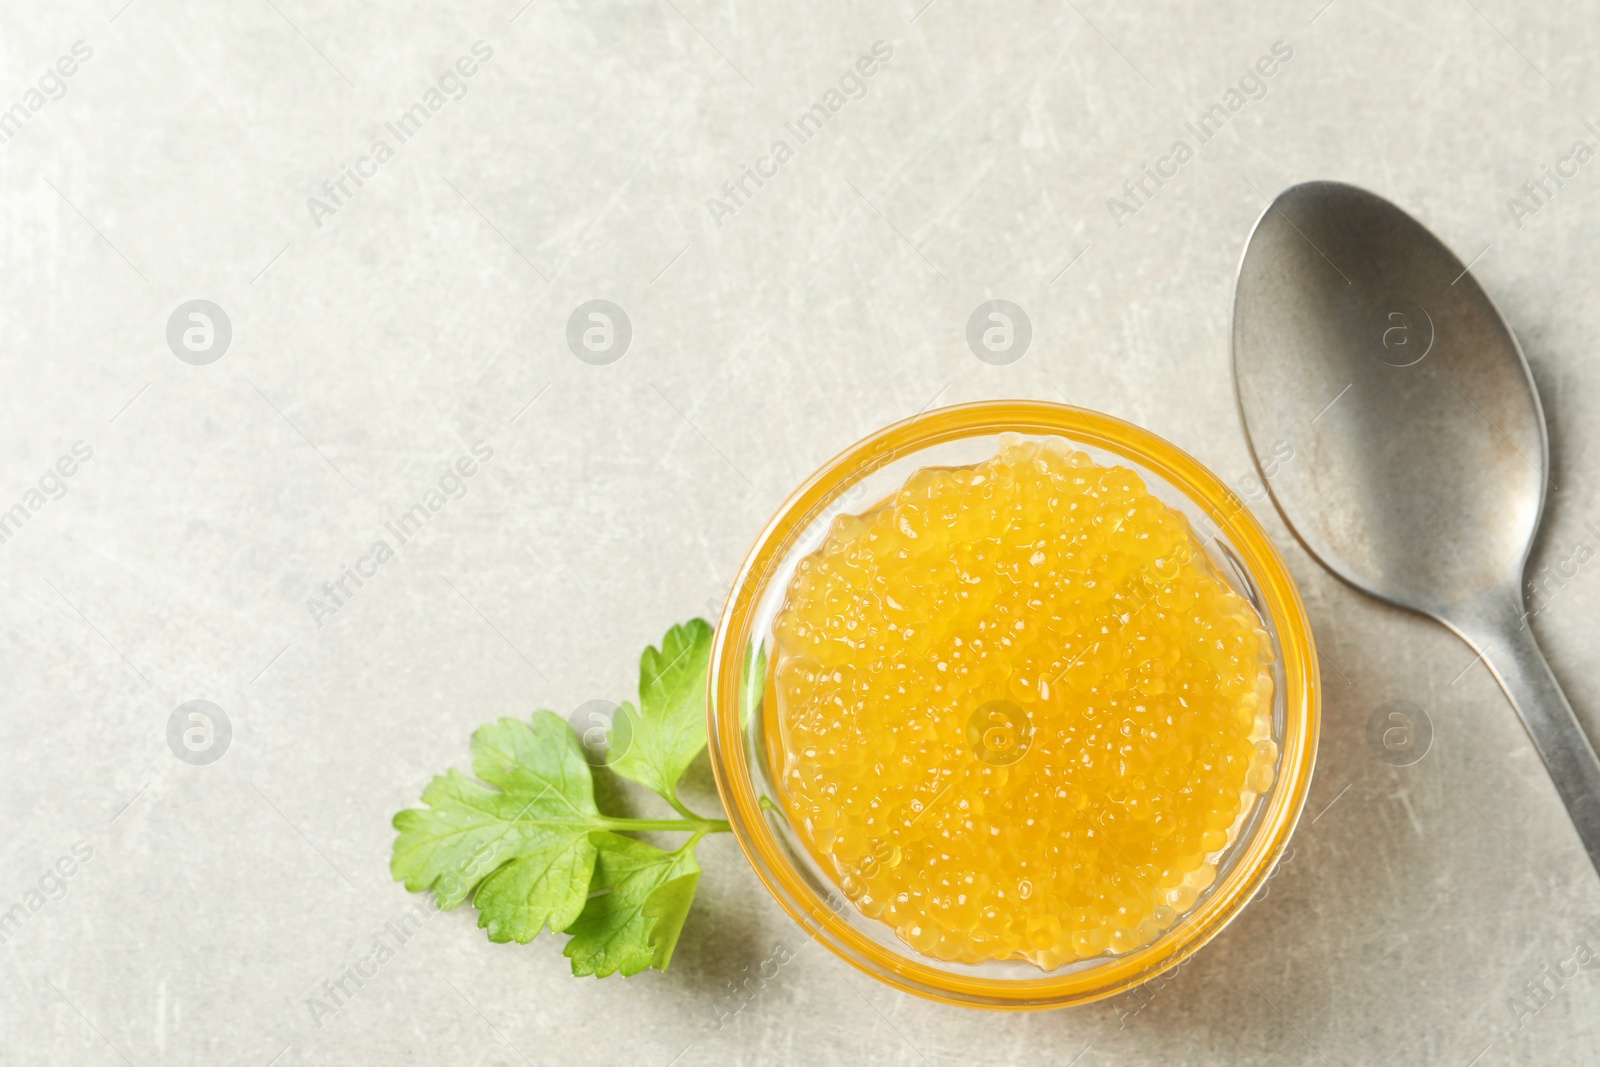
(1019, 714)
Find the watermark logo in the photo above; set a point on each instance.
(1277, 869)
(342, 988)
(199, 732)
(999, 332)
(1142, 995)
(1401, 332)
(716, 602)
(451, 85)
(750, 984)
(52, 486)
(599, 332)
(738, 192)
(1138, 193)
(199, 332)
(1542, 588)
(1542, 990)
(605, 731)
(402, 529)
(999, 733)
(50, 887)
(52, 86)
(1534, 195)
(1399, 733)
(1251, 489)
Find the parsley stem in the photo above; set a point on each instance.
(680, 807)
(695, 824)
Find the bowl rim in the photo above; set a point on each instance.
(1283, 804)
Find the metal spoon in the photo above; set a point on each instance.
(1364, 349)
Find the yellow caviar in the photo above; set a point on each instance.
(1019, 713)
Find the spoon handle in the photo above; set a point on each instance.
(1504, 638)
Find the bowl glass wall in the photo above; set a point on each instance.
(860, 479)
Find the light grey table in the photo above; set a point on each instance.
(375, 336)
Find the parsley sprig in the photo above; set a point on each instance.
(532, 849)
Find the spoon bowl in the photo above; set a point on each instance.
(1366, 351)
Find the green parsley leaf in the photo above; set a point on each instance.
(525, 847)
(669, 727)
(642, 896)
(533, 850)
(754, 685)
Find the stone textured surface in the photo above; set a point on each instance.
(429, 312)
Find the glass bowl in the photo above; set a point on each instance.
(865, 475)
